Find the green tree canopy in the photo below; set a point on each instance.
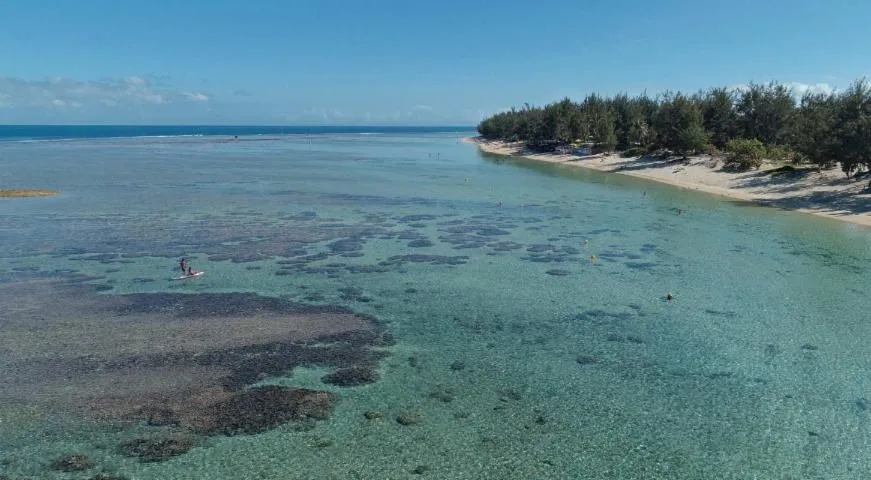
(852, 128)
(823, 129)
(679, 124)
(718, 110)
(763, 112)
(811, 133)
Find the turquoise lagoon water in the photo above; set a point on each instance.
(551, 295)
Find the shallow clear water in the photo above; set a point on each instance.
(574, 363)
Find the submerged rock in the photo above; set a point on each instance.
(259, 409)
(351, 294)
(420, 243)
(430, 259)
(323, 443)
(366, 269)
(74, 462)
(417, 218)
(442, 394)
(157, 449)
(409, 417)
(510, 394)
(200, 382)
(586, 360)
(557, 272)
(160, 417)
(346, 245)
(351, 376)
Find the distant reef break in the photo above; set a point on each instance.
(26, 192)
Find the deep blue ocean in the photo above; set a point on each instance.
(71, 132)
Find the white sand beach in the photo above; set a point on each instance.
(826, 193)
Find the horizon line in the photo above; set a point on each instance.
(337, 125)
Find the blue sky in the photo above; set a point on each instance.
(399, 61)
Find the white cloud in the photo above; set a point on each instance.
(135, 81)
(317, 115)
(196, 97)
(60, 92)
(410, 115)
(154, 98)
(475, 115)
(799, 89)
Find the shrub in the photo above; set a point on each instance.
(599, 148)
(634, 152)
(779, 153)
(744, 153)
(713, 150)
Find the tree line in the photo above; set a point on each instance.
(748, 124)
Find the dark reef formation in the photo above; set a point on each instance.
(184, 365)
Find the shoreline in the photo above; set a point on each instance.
(827, 193)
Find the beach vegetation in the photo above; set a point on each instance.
(779, 154)
(763, 112)
(821, 129)
(744, 153)
(633, 152)
(679, 125)
(607, 137)
(851, 129)
(720, 118)
(811, 134)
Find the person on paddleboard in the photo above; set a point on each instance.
(183, 263)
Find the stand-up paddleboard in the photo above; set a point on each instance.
(197, 274)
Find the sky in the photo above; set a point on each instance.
(383, 62)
